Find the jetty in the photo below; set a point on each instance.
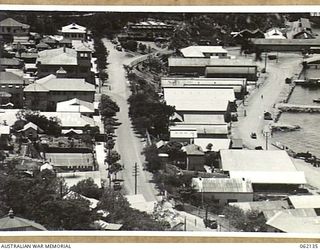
(286, 107)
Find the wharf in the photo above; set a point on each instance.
(285, 107)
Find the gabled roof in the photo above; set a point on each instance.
(107, 226)
(75, 105)
(59, 56)
(217, 144)
(73, 28)
(10, 62)
(52, 83)
(71, 120)
(305, 201)
(42, 45)
(14, 223)
(291, 224)
(31, 125)
(300, 212)
(261, 205)
(199, 51)
(222, 185)
(221, 129)
(10, 22)
(10, 78)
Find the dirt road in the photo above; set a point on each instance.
(128, 144)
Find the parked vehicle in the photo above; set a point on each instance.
(258, 148)
(316, 100)
(267, 116)
(253, 135)
(119, 48)
(213, 224)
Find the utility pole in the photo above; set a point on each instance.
(267, 135)
(135, 174)
(265, 61)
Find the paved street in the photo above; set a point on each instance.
(128, 144)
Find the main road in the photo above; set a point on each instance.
(128, 143)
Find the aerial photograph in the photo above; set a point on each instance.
(160, 121)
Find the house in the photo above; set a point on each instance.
(223, 190)
(287, 223)
(74, 31)
(10, 27)
(11, 63)
(268, 170)
(239, 85)
(304, 201)
(76, 105)
(11, 222)
(76, 63)
(106, 226)
(300, 212)
(13, 85)
(46, 92)
(4, 136)
(194, 157)
(27, 57)
(247, 34)
(248, 72)
(274, 33)
(42, 46)
(204, 52)
(51, 42)
(31, 131)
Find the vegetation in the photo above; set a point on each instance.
(87, 188)
(130, 45)
(107, 107)
(50, 126)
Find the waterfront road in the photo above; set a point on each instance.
(128, 144)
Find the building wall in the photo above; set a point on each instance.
(13, 31)
(187, 70)
(31, 133)
(224, 198)
(195, 162)
(75, 36)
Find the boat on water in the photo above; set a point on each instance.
(317, 100)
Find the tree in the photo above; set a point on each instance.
(87, 188)
(112, 157)
(115, 168)
(131, 45)
(152, 157)
(142, 47)
(108, 107)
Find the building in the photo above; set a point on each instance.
(287, 223)
(11, 63)
(268, 170)
(223, 190)
(71, 161)
(75, 63)
(304, 201)
(247, 34)
(74, 31)
(194, 157)
(217, 144)
(239, 85)
(197, 67)
(285, 44)
(261, 206)
(300, 212)
(250, 72)
(10, 27)
(13, 85)
(31, 131)
(274, 33)
(11, 222)
(76, 105)
(311, 69)
(146, 30)
(300, 29)
(46, 92)
(204, 52)
(201, 101)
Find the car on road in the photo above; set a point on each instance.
(119, 48)
(267, 116)
(258, 148)
(253, 135)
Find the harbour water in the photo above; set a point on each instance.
(308, 137)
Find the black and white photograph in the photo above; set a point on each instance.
(160, 121)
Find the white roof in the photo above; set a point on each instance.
(75, 105)
(107, 226)
(305, 201)
(72, 194)
(261, 205)
(72, 120)
(292, 224)
(210, 62)
(167, 82)
(8, 116)
(203, 129)
(256, 160)
(274, 33)
(178, 132)
(217, 144)
(73, 28)
(199, 99)
(139, 202)
(222, 185)
(269, 177)
(46, 166)
(77, 131)
(198, 51)
(203, 119)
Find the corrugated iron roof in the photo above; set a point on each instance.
(261, 205)
(305, 201)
